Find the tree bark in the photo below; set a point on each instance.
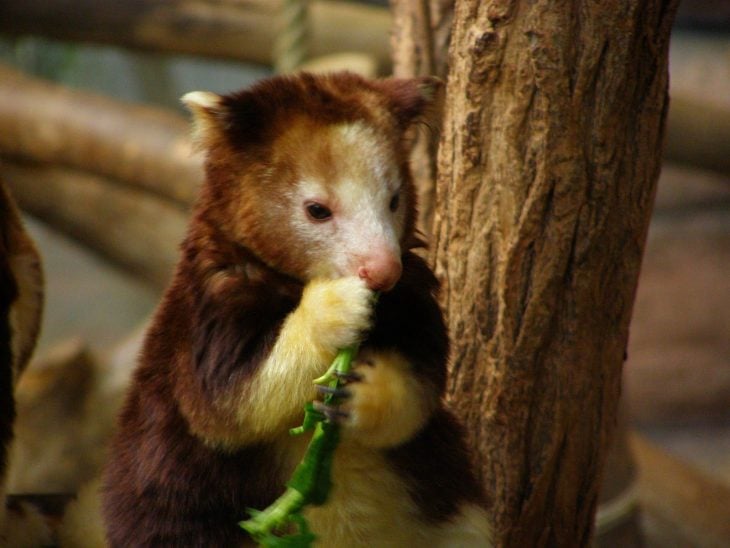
(233, 29)
(547, 170)
(143, 146)
(617, 516)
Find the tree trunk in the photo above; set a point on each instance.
(420, 41)
(547, 169)
(617, 517)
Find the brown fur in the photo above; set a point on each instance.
(182, 473)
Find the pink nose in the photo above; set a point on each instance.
(381, 272)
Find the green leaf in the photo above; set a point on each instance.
(312, 417)
(303, 538)
(311, 481)
(313, 476)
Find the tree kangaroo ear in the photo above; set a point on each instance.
(414, 99)
(240, 119)
(209, 114)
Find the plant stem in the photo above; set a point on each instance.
(311, 481)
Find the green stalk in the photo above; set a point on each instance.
(312, 479)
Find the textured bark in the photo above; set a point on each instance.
(131, 227)
(234, 29)
(143, 146)
(420, 41)
(547, 168)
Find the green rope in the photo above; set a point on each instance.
(292, 42)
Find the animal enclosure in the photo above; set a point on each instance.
(538, 272)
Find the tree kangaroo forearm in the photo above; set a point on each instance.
(284, 381)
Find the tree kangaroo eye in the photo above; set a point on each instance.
(318, 212)
(394, 201)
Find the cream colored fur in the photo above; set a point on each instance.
(469, 529)
(203, 105)
(369, 506)
(358, 190)
(332, 314)
(389, 405)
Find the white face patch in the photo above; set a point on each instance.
(359, 186)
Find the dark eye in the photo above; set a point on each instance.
(318, 212)
(394, 201)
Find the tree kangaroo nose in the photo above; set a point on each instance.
(381, 272)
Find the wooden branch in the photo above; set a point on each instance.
(143, 146)
(691, 507)
(548, 164)
(129, 226)
(234, 29)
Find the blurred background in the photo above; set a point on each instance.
(93, 144)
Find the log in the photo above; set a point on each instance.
(684, 506)
(359, 63)
(548, 161)
(710, 15)
(144, 146)
(686, 192)
(233, 29)
(131, 227)
(698, 134)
